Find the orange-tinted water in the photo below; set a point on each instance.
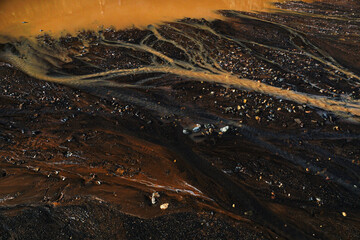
(29, 18)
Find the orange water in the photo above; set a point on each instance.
(30, 18)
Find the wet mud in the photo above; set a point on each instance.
(244, 127)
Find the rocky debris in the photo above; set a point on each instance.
(164, 206)
(154, 197)
(224, 129)
(186, 132)
(197, 128)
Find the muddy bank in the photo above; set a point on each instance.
(240, 129)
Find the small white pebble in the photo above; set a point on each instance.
(154, 195)
(224, 129)
(164, 206)
(185, 131)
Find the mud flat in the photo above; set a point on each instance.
(245, 127)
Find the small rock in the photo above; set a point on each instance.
(36, 132)
(197, 128)
(164, 206)
(68, 154)
(228, 109)
(224, 129)
(185, 131)
(248, 213)
(154, 196)
(297, 120)
(120, 171)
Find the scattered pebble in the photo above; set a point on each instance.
(297, 120)
(164, 206)
(185, 131)
(197, 128)
(154, 196)
(248, 213)
(224, 129)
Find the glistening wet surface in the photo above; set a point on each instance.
(241, 123)
(31, 18)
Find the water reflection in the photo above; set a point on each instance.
(25, 18)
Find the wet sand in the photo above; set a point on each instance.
(246, 127)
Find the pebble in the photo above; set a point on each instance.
(297, 120)
(224, 129)
(164, 206)
(248, 213)
(185, 131)
(197, 128)
(154, 196)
